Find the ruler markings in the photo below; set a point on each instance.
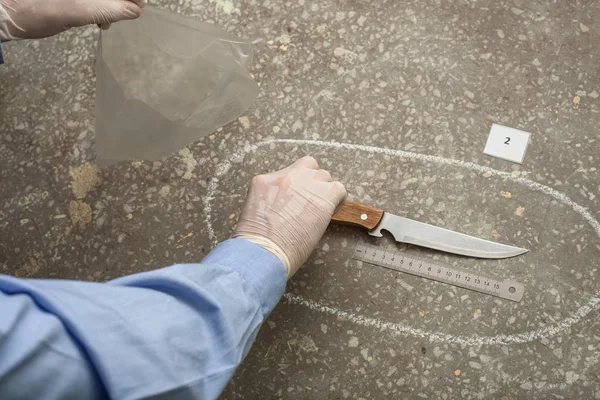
(399, 261)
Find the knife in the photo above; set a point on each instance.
(414, 232)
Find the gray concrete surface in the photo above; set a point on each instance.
(427, 77)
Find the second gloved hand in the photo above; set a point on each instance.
(32, 19)
(287, 212)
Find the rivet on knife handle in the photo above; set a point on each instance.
(357, 215)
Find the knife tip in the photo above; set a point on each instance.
(519, 251)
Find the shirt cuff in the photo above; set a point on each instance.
(260, 268)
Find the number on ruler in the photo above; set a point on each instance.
(442, 273)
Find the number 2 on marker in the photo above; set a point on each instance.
(507, 140)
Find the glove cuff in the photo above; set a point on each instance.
(271, 247)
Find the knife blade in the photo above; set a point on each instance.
(421, 234)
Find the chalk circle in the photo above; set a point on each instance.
(402, 329)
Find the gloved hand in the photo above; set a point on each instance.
(286, 212)
(32, 19)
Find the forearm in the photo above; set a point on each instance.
(178, 332)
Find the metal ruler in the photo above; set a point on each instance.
(399, 261)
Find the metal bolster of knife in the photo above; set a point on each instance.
(359, 215)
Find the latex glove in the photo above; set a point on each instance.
(286, 212)
(32, 19)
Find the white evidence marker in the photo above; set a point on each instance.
(507, 143)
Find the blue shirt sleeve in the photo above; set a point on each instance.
(173, 333)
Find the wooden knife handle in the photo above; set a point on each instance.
(357, 215)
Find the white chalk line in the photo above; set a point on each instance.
(473, 340)
(221, 170)
(447, 161)
(400, 329)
